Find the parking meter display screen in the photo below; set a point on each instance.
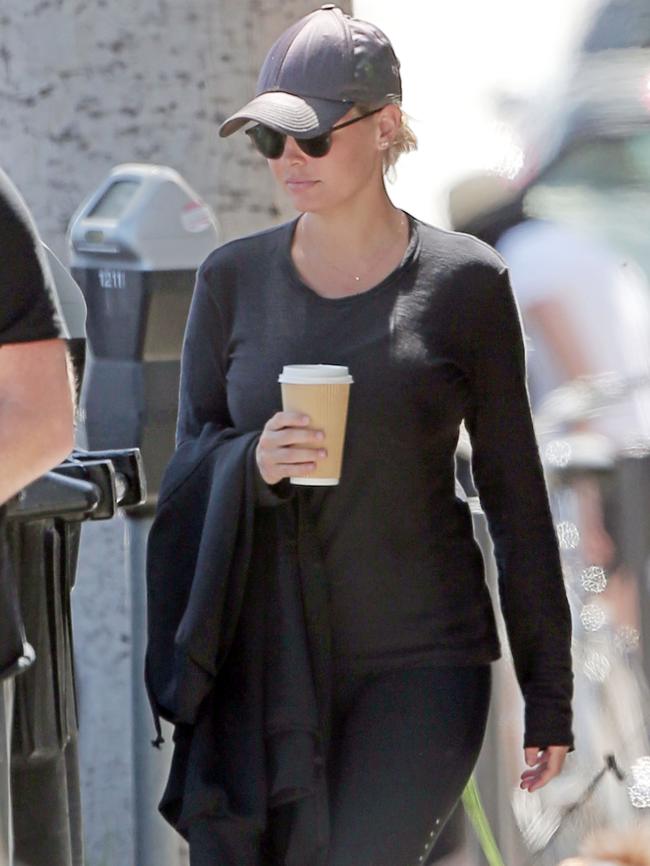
(115, 200)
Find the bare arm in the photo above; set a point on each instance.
(565, 342)
(36, 412)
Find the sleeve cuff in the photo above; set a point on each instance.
(542, 732)
(270, 495)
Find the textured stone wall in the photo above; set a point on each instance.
(87, 84)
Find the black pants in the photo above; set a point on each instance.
(404, 744)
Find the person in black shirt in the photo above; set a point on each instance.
(427, 324)
(36, 412)
(36, 420)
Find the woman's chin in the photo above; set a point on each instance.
(303, 195)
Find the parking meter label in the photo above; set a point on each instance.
(196, 217)
(110, 279)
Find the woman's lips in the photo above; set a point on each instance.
(297, 185)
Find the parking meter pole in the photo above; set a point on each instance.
(155, 841)
(6, 816)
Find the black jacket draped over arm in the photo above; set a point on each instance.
(238, 646)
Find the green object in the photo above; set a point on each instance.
(476, 814)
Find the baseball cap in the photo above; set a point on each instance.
(316, 71)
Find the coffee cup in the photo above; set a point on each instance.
(321, 391)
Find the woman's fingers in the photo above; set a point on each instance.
(286, 444)
(295, 437)
(290, 428)
(292, 455)
(287, 419)
(547, 763)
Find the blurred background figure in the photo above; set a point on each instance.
(628, 847)
(574, 228)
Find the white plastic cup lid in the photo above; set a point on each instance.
(315, 374)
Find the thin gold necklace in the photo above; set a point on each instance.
(356, 277)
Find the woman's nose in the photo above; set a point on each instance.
(291, 150)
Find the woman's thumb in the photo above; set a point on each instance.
(532, 755)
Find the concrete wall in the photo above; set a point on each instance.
(87, 84)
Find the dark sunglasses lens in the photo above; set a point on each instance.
(269, 142)
(316, 147)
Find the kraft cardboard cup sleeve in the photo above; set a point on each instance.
(321, 391)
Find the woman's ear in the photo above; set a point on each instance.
(389, 121)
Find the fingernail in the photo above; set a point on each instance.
(320, 435)
(322, 453)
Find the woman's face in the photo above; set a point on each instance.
(352, 165)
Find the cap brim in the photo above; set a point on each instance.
(298, 116)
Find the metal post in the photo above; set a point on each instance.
(156, 843)
(6, 825)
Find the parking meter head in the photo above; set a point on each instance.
(136, 243)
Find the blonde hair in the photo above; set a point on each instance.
(404, 142)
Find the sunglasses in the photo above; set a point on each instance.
(271, 143)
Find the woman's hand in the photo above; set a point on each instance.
(544, 763)
(288, 446)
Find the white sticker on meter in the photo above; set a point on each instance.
(195, 217)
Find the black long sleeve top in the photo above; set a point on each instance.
(438, 341)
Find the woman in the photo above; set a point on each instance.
(426, 323)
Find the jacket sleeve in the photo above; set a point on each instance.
(510, 481)
(203, 396)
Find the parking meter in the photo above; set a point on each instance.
(135, 245)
